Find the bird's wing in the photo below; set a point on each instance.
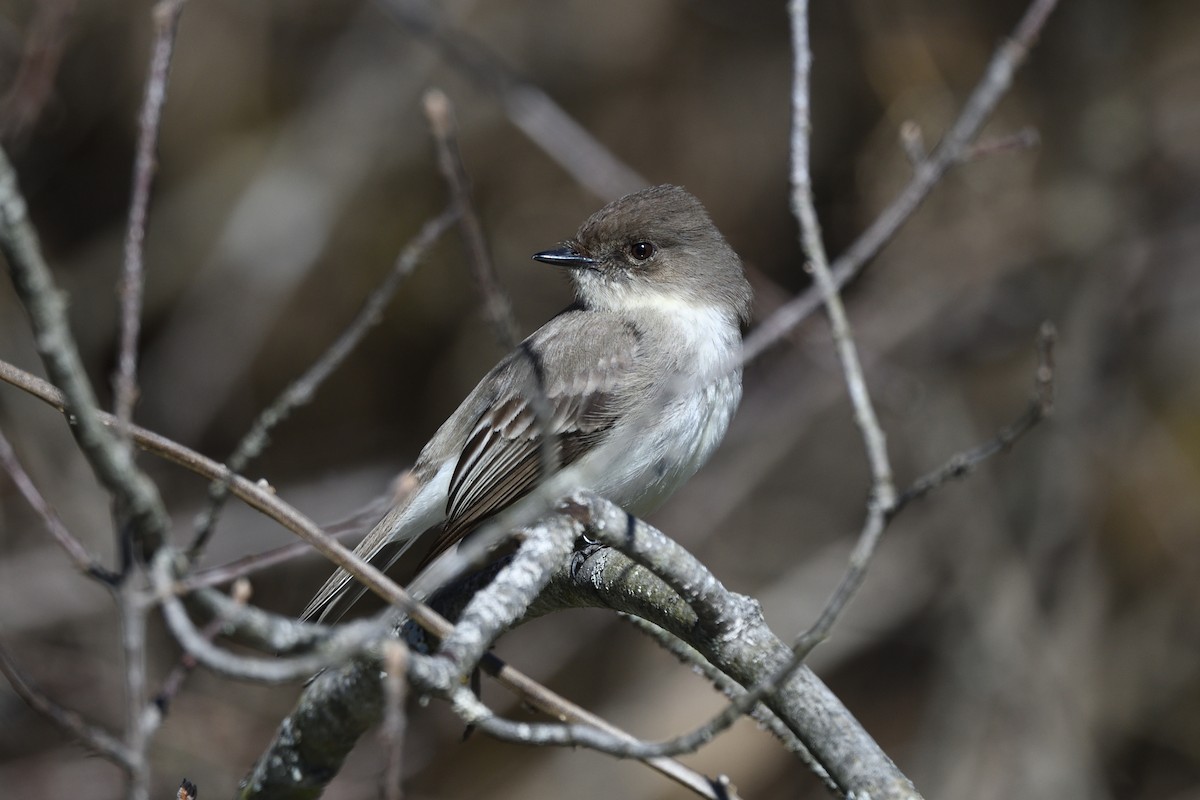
(577, 372)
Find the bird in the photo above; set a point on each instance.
(634, 384)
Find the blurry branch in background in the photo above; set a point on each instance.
(84, 561)
(1041, 405)
(41, 58)
(499, 310)
(303, 388)
(94, 738)
(239, 597)
(951, 150)
(140, 519)
(545, 122)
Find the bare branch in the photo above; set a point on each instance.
(1023, 139)
(140, 717)
(342, 644)
(135, 496)
(91, 736)
(257, 495)
(494, 608)
(395, 662)
(445, 135)
(883, 493)
(1041, 405)
(132, 281)
(248, 565)
(187, 663)
(742, 646)
(987, 93)
(266, 501)
(80, 557)
(547, 125)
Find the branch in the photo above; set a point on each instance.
(94, 738)
(445, 135)
(136, 498)
(395, 661)
(257, 495)
(1041, 406)
(342, 704)
(534, 113)
(496, 607)
(41, 59)
(76, 552)
(743, 647)
(992, 86)
(346, 642)
(132, 281)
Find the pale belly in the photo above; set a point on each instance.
(660, 458)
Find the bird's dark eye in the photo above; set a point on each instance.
(641, 250)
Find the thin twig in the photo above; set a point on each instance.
(133, 279)
(80, 557)
(995, 81)
(440, 114)
(1023, 139)
(303, 388)
(992, 86)
(691, 658)
(395, 684)
(248, 565)
(91, 736)
(883, 493)
(1041, 405)
(187, 662)
(135, 497)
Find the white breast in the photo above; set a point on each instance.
(685, 416)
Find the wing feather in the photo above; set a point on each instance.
(502, 458)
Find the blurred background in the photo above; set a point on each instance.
(1029, 632)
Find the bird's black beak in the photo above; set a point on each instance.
(567, 255)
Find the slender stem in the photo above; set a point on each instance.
(133, 278)
(91, 736)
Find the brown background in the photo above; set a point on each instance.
(1031, 632)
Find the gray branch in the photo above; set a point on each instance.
(729, 632)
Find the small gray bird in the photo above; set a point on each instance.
(638, 380)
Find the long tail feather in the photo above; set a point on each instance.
(367, 549)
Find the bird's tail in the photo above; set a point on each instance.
(402, 525)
